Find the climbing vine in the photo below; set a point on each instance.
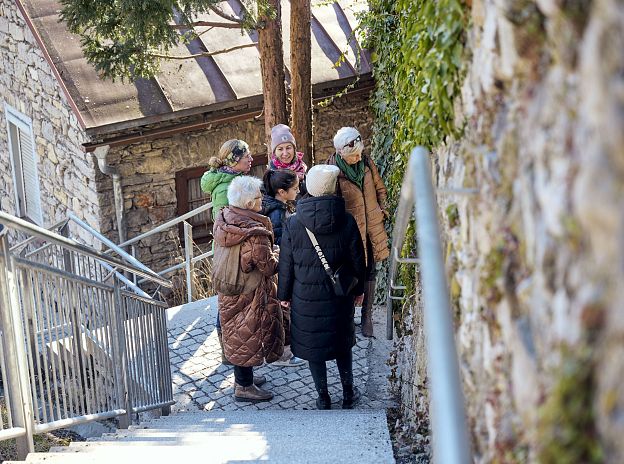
(417, 52)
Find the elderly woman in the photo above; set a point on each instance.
(364, 193)
(244, 277)
(321, 326)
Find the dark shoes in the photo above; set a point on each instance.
(350, 396)
(251, 394)
(323, 401)
(367, 322)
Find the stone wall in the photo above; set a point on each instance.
(66, 173)
(148, 170)
(535, 259)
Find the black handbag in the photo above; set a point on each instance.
(342, 279)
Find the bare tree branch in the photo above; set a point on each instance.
(206, 24)
(219, 12)
(197, 55)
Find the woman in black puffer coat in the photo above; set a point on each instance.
(322, 326)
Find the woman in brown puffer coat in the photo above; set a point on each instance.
(244, 277)
(364, 193)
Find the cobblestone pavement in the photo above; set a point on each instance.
(200, 381)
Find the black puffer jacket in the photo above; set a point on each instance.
(321, 323)
(276, 211)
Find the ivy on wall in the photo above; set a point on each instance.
(417, 51)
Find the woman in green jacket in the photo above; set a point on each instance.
(234, 158)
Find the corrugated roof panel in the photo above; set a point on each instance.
(241, 67)
(338, 26)
(351, 9)
(324, 51)
(61, 44)
(184, 84)
(207, 86)
(108, 102)
(41, 8)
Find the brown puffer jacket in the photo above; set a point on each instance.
(367, 207)
(252, 324)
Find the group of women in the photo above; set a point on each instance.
(294, 254)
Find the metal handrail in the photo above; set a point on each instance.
(450, 437)
(111, 245)
(25, 226)
(59, 225)
(189, 259)
(167, 224)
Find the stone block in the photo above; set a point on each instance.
(16, 31)
(154, 165)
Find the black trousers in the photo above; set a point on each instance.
(345, 369)
(243, 376)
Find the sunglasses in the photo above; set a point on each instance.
(352, 143)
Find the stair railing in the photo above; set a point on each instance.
(446, 408)
(189, 259)
(75, 346)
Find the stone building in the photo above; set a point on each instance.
(156, 134)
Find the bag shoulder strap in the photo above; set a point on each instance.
(320, 254)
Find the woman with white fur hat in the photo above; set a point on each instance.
(321, 324)
(364, 192)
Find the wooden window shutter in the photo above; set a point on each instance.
(190, 196)
(24, 165)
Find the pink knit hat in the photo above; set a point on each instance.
(281, 134)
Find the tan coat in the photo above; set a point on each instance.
(367, 207)
(252, 324)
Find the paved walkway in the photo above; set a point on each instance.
(200, 381)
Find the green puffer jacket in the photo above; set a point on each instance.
(216, 184)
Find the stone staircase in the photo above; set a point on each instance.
(289, 436)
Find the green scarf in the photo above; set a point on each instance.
(354, 172)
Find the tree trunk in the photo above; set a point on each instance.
(301, 77)
(272, 68)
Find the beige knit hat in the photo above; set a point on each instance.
(321, 180)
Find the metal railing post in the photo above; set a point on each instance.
(188, 257)
(15, 349)
(133, 252)
(450, 439)
(76, 324)
(120, 358)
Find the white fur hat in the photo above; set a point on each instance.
(321, 180)
(344, 136)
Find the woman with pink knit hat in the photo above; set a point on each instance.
(284, 154)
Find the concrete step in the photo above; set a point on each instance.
(280, 436)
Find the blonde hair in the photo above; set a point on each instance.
(216, 162)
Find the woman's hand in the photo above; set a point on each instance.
(359, 300)
(286, 304)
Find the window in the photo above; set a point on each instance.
(190, 196)
(24, 163)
